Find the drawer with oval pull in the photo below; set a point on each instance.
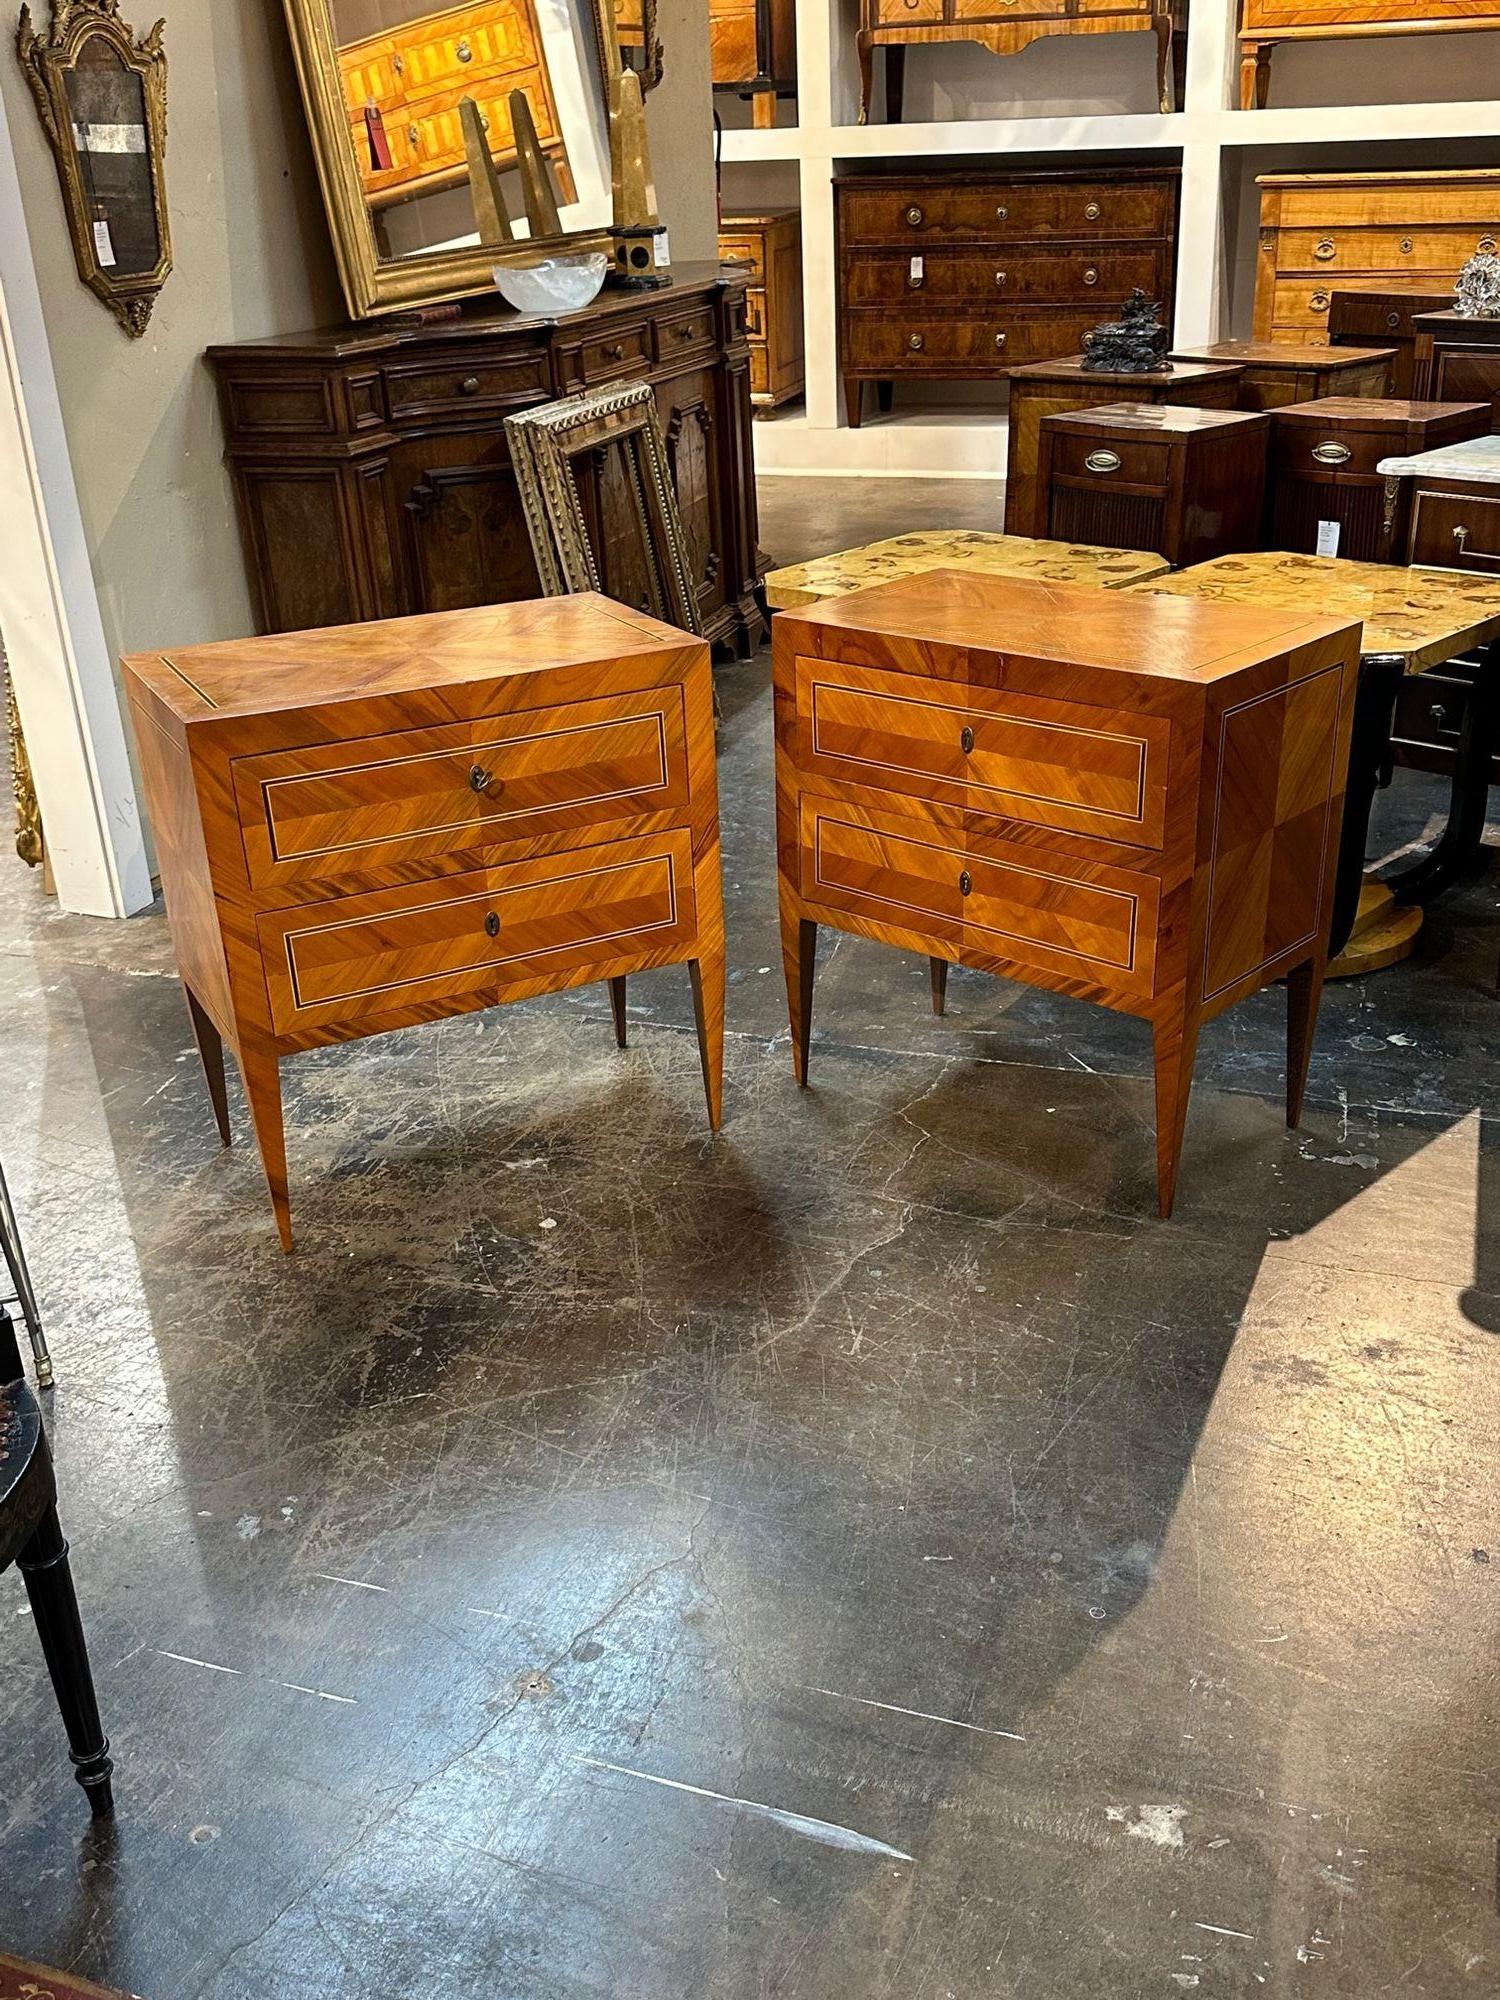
(467, 386)
(749, 250)
(1307, 451)
(1456, 531)
(891, 345)
(463, 939)
(963, 278)
(328, 811)
(982, 213)
(997, 898)
(693, 333)
(1123, 461)
(1390, 252)
(1064, 765)
(614, 354)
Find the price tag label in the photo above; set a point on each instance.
(104, 245)
(918, 270)
(1328, 538)
(663, 252)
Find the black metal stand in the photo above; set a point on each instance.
(22, 1293)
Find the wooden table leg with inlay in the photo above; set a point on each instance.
(372, 826)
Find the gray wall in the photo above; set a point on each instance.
(251, 257)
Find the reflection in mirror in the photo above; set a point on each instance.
(107, 106)
(405, 68)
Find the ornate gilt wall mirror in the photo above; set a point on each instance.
(102, 96)
(640, 45)
(383, 82)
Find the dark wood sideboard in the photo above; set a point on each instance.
(373, 476)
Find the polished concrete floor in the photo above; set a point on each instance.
(866, 1555)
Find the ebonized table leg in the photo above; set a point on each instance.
(43, 1564)
(25, 1296)
(1459, 844)
(1380, 677)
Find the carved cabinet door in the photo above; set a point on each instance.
(464, 535)
(686, 406)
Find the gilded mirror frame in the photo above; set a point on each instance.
(373, 284)
(48, 63)
(627, 13)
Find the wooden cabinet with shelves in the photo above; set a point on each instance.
(954, 277)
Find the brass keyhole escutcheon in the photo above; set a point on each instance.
(916, 343)
(492, 925)
(964, 883)
(914, 216)
(999, 340)
(480, 779)
(1319, 302)
(1091, 276)
(966, 740)
(1407, 246)
(1002, 215)
(1325, 250)
(1000, 277)
(413, 135)
(1092, 212)
(1393, 319)
(464, 52)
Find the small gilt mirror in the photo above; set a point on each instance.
(385, 84)
(640, 45)
(102, 95)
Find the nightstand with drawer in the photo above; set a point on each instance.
(1116, 796)
(365, 827)
(1188, 484)
(1386, 319)
(1328, 496)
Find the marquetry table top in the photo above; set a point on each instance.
(1425, 615)
(1472, 458)
(951, 548)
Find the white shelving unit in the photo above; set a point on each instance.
(1220, 150)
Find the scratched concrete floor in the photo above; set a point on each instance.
(865, 1556)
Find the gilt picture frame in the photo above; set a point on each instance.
(101, 94)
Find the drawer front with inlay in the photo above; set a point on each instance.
(1014, 756)
(337, 809)
(1123, 461)
(468, 388)
(359, 957)
(884, 868)
(1456, 531)
(950, 278)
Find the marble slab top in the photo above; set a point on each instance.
(951, 548)
(1473, 458)
(1426, 615)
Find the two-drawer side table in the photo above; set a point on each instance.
(374, 825)
(1106, 794)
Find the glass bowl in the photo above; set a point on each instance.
(553, 284)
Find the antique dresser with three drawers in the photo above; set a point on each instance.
(961, 277)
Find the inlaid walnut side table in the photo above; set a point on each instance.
(1118, 796)
(369, 826)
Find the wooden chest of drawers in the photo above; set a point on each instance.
(1264, 23)
(1189, 484)
(1131, 799)
(1274, 373)
(948, 278)
(1324, 469)
(1363, 232)
(1047, 388)
(769, 242)
(1458, 358)
(376, 825)
(413, 78)
(1356, 319)
(1006, 29)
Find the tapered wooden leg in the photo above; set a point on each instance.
(262, 1079)
(1255, 75)
(211, 1055)
(617, 1007)
(938, 967)
(866, 50)
(854, 392)
(1304, 990)
(1175, 1043)
(885, 396)
(895, 83)
(799, 951)
(708, 1007)
(43, 1564)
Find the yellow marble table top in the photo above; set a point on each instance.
(1426, 615)
(954, 548)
